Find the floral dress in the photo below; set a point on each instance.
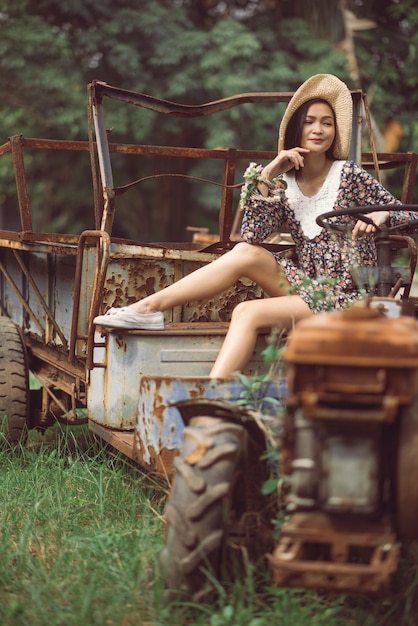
(324, 258)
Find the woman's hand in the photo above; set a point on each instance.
(378, 217)
(285, 161)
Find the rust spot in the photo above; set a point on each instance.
(121, 343)
(162, 462)
(159, 406)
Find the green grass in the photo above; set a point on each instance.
(80, 533)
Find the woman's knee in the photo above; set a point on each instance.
(244, 314)
(250, 254)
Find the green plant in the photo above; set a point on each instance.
(266, 410)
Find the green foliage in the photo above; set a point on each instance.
(255, 388)
(190, 52)
(253, 395)
(267, 410)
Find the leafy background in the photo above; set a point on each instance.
(188, 51)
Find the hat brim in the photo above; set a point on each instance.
(336, 93)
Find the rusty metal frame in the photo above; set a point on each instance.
(392, 160)
(97, 90)
(102, 243)
(41, 299)
(314, 552)
(16, 144)
(24, 302)
(21, 298)
(47, 387)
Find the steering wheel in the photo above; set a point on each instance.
(360, 212)
(387, 278)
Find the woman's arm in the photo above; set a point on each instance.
(263, 208)
(282, 163)
(262, 217)
(360, 188)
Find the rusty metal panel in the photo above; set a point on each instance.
(61, 287)
(354, 456)
(11, 275)
(86, 287)
(115, 383)
(159, 426)
(37, 292)
(42, 269)
(375, 340)
(130, 279)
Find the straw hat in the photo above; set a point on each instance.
(337, 94)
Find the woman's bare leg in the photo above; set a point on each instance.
(248, 318)
(253, 262)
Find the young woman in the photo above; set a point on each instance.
(310, 175)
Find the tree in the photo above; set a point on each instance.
(189, 51)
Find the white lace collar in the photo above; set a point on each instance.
(305, 208)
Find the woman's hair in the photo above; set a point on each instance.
(294, 128)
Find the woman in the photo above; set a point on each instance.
(310, 175)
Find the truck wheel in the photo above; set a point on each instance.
(14, 384)
(199, 505)
(407, 472)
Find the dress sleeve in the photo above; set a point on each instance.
(262, 217)
(360, 188)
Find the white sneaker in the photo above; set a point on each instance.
(128, 319)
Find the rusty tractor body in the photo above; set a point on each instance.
(353, 388)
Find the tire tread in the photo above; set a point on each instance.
(14, 388)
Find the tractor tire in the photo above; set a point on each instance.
(14, 384)
(199, 505)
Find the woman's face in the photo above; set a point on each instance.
(318, 130)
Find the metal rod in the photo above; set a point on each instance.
(41, 299)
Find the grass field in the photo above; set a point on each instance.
(80, 535)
